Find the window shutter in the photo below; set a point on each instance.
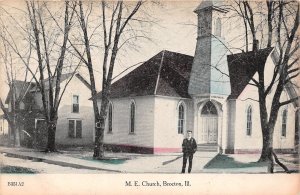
(78, 129)
(71, 128)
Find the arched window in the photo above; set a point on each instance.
(209, 109)
(110, 117)
(283, 125)
(218, 27)
(181, 118)
(132, 117)
(249, 120)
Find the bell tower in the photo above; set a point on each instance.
(209, 69)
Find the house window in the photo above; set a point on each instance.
(132, 117)
(75, 104)
(181, 118)
(283, 125)
(249, 120)
(75, 128)
(110, 120)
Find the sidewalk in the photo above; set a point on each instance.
(125, 162)
(203, 162)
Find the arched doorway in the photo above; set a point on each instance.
(208, 123)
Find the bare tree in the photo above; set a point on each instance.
(50, 48)
(115, 23)
(282, 20)
(16, 93)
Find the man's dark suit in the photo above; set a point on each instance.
(189, 147)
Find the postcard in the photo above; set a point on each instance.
(149, 97)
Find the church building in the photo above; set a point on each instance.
(153, 106)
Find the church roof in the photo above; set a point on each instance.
(166, 74)
(242, 67)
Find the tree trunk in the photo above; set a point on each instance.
(267, 149)
(12, 132)
(99, 131)
(99, 145)
(16, 130)
(267, 152)
(51, 126)
(17, 137)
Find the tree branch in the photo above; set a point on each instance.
(280, 164)
(289, 101)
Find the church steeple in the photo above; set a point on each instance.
(209, 18)
(210, 60)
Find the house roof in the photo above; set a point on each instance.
(63, 78)
(242, 67)
(166, 74)
(46, 81)
(85, 82)
(22, 85)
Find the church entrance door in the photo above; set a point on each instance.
(208, 124)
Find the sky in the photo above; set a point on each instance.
(169, 32)
(174, 29)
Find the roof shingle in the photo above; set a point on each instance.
(172, 79)
(242, 67)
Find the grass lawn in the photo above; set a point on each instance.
(15, 169)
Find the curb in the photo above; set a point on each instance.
(59, 163)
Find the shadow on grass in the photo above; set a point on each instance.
(14, 169)
(222, 161)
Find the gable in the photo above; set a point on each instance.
(242, 68)
(21, 87)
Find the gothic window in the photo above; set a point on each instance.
(249, 120)
(283, 125)
(132, 117)
(209, 109)
(181, 118)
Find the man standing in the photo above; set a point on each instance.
(189, 147)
